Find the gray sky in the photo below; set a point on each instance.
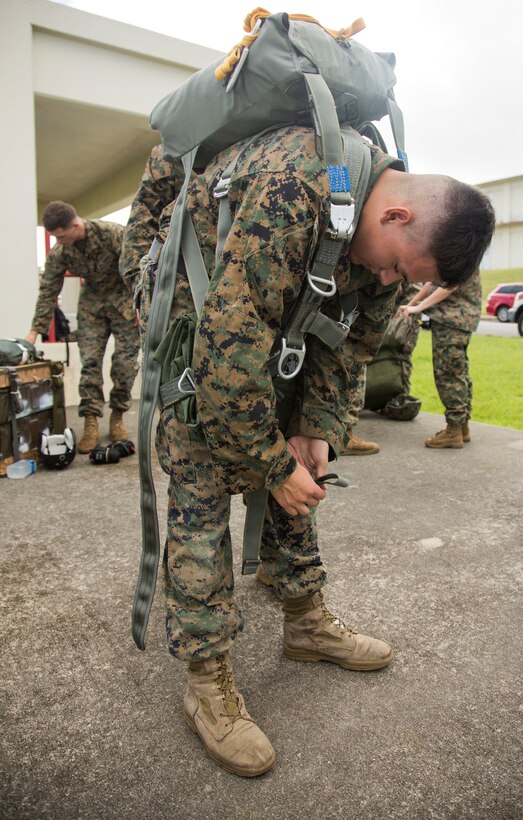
(459, 67)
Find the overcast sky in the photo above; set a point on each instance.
(459, 67)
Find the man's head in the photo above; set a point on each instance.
(61, 221)
(423, 227)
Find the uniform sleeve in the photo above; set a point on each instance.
(159, 186)
(50, 287)
(261, 269)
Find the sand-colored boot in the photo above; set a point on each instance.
(312, 633)
(91, 435)
(465, 431)
(266, 580)
(451, 436)
(359, 447)
(117, 431)
(215, 710)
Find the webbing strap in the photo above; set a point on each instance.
(194, 264)
(156, 329)
(398, 129)
(327, 126)
(253, 528)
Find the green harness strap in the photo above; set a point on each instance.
(156, 328)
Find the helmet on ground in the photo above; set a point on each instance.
(58, 451)
(402, 408)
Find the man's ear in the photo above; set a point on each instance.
(396, 213)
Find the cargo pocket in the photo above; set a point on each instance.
(181, 447)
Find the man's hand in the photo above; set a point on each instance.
(300, 493)
(31, 337)
(407, 310)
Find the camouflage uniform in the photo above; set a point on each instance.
(452, 323)
(104, 307)
(279, 199)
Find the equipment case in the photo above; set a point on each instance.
(31, 403)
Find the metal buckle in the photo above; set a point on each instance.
(186, 376)
(342, 218)
(291, 358)
(222, 187)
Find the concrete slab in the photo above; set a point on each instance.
(423, 549)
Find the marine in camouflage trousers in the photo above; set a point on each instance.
(451, 371)
(96, 322)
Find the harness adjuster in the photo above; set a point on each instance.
(186, 383)
(222, 187)
(342, 219)
(324, 287)
(290, 360)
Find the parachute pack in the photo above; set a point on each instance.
(288, 69)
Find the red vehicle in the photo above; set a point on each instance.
(502, 298)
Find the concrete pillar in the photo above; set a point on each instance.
(18, 265)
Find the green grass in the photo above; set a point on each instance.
(496, 367)
(491, 278)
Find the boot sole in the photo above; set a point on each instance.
(84, 450)
(361, 452)
(444, 446)
(223, 763)
(314, 657)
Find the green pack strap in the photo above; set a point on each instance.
(156, 329)
(398, 129)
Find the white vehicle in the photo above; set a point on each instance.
(515, 313)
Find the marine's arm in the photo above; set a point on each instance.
(50, 286)
(159, 186)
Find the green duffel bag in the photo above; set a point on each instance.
(14, 351)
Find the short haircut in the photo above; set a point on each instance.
(58, 215)
(461, 236)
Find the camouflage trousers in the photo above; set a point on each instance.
(96, 322)
(357, 398)
(451, 371)
(203, 618)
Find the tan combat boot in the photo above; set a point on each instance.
(117, 431)
(312, 633)
(266, 580)
(91, 436)
(359, 447)
(465, 431)
(451, 436)
(215, 710)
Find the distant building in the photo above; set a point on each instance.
(506, 250)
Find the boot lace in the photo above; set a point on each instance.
(337, 621)
(227, 688)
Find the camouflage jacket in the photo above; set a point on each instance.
(279, 198)
(462, 308)
(95, 259)
(150, 212)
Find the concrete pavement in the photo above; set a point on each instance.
(423, 550)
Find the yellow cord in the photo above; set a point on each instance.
(223, 71)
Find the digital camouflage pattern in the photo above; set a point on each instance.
(279, 200)
(451, 371)
(452, 323)
(462, 308)
(104, 307)
(150, 213)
